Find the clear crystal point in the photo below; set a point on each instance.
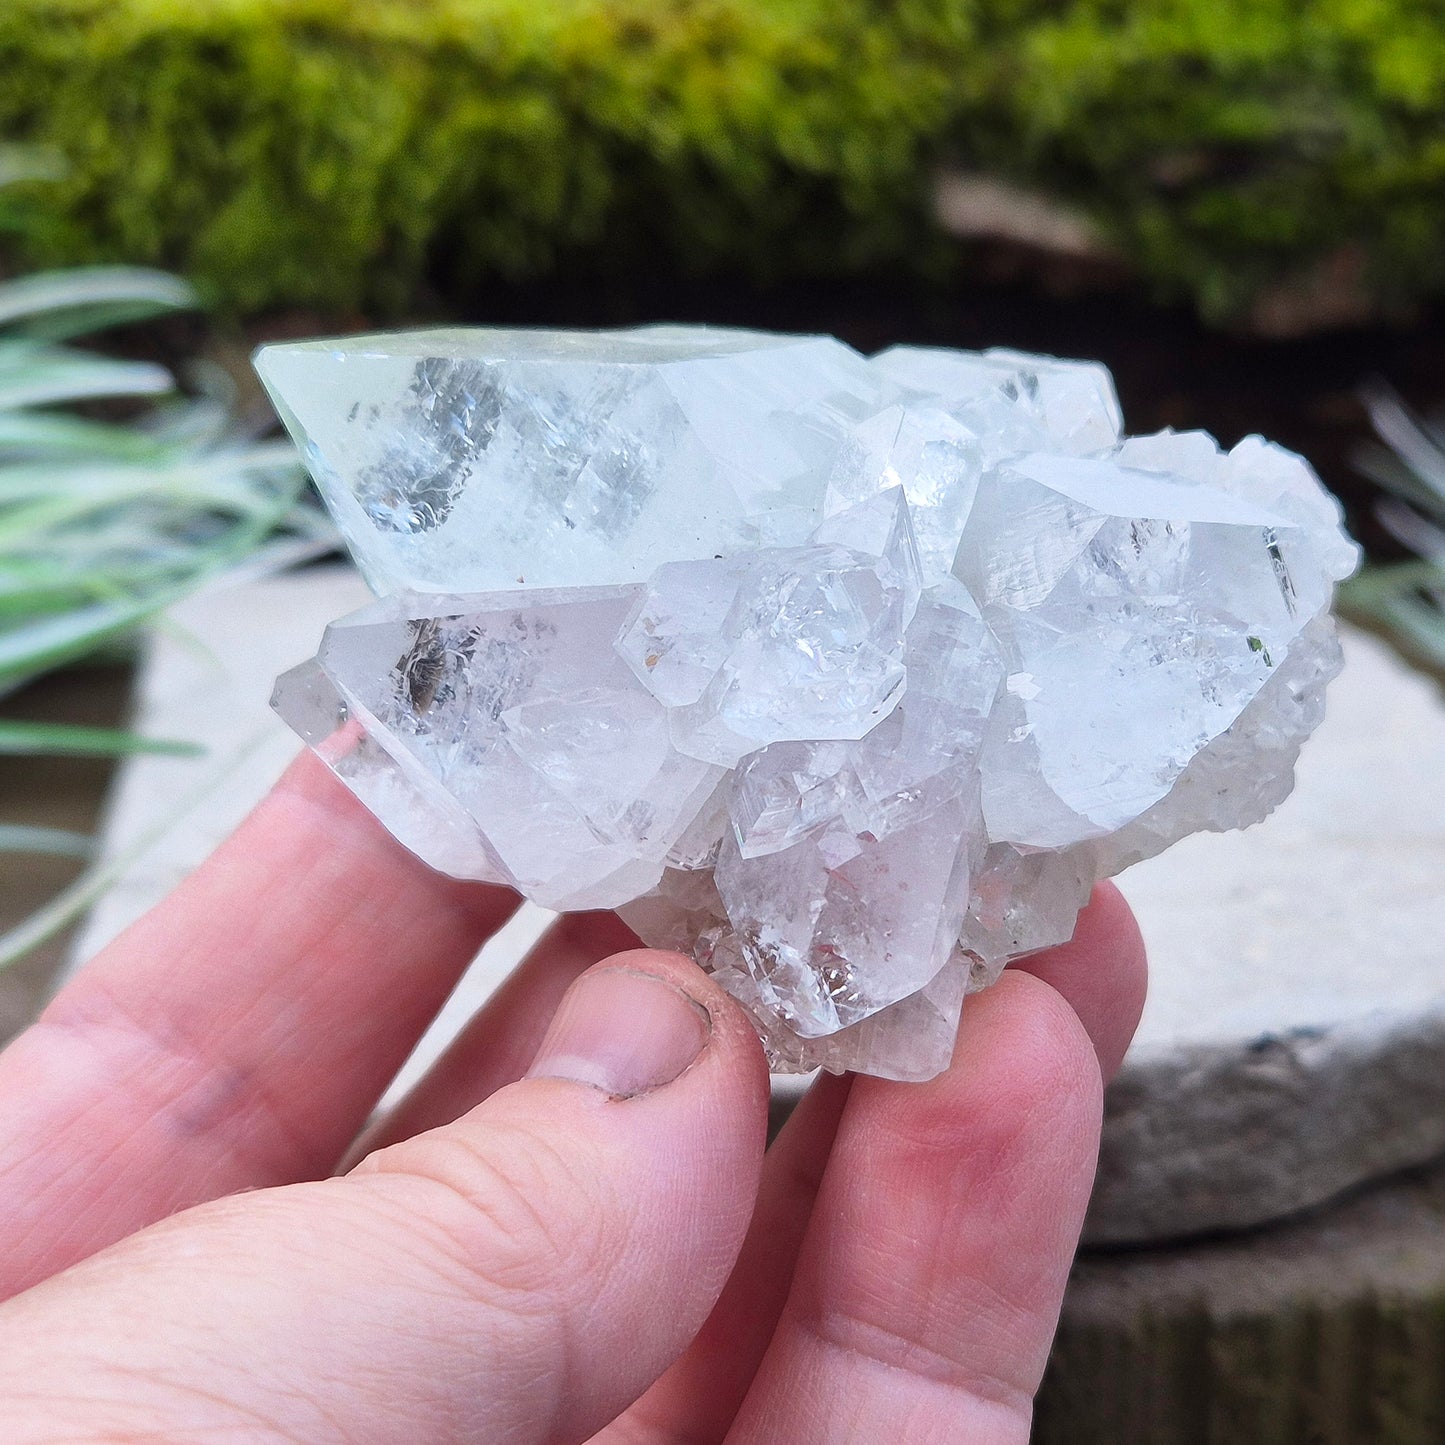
(848, 677)
(469, 460)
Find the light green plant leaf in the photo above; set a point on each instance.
(56, 842)
(34, 375)
(29, 739)
(44, 643)
(51, 437)
(56, 305)
(1405, 601)
(109, 517)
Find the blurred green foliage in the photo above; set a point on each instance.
(119, 495)
(107, 520)
(1405, 600)
(337, 153)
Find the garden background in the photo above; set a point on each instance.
(1239, 205)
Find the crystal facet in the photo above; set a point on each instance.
(849, 677)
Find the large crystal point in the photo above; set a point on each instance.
(469, 460)
(1013, 402)
(851, 678)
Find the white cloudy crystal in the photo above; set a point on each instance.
(849, 677)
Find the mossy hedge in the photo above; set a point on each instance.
(348, 154)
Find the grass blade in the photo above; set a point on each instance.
(27, 739)
(53, 842)
(48, 642)
(49, 376)
(1404, 600)
(56, 305)
(52, 437)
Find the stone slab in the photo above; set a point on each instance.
(1328, 1330)
(1294, 1041)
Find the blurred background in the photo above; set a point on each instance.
(1238, 205)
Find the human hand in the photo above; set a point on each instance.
(519, 1256)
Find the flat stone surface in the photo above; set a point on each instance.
(1294, 1041)
(1327, 1330)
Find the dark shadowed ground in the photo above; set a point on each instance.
(50, 793)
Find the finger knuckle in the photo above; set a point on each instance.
(988, 1122)
(520, 1217)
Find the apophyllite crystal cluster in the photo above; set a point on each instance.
(849, 676)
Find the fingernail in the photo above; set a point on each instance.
(623, 1032)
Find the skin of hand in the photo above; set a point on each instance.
(570, 1230)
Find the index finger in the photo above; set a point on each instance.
(238, 1035)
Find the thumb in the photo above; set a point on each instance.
(520, 1275)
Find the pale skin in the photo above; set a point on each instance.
(569, 1231)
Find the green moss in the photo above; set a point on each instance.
(344, 153)
(1228, 144)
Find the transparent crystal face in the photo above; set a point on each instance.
(467, 461)
(782, 643)
(562, 768)
(1138, 617)
(849, 677)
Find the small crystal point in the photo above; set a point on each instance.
(851, 678)
(781, 643)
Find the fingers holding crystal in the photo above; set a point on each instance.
(238, 1035)
(522, 1274)
(1099, 974)
(699, 1396)
(1102, 972)
(928, 1284)
(496, 1046)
